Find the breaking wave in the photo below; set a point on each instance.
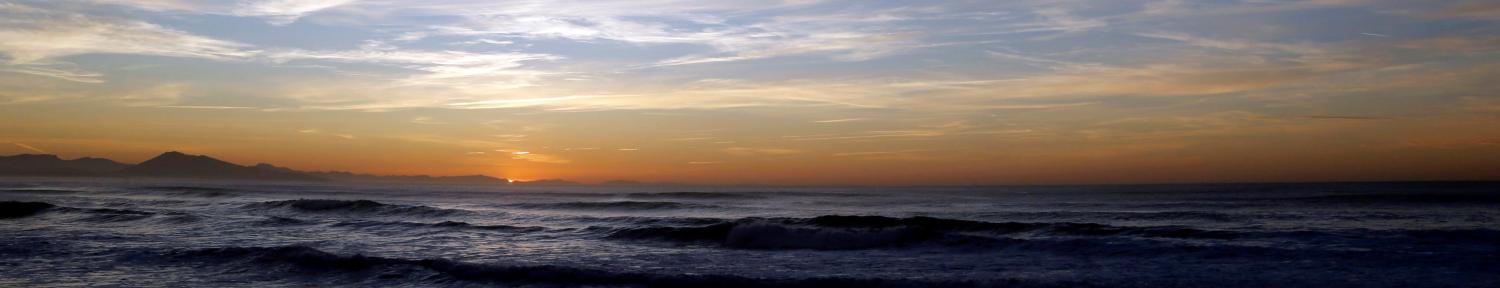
(694, 195)
(1402, 199)
(615, 205)
(352, 207)
(50, 191)
(14, 209)
(108, 215)
(395, 271)
(440, 225)
(867, 232)
(194, 191)
(281, 221)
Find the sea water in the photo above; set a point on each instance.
(118, 232)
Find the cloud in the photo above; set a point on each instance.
(539, 158)
(1345, 117)
(412, 60)
(426, 121)
(848, 46)
(282, 12)
(206, 107)
(158, 95)
(1484, 10)
(276, 12)
(456, 77)
(71, 33)
(908, 155)
(839, 120)
(1039, 106)
(29, 147)
(463, 71)
(60, 70)
(919, 132)
(1483, 105)
(848, 37)
(1472, 44)
(750, 151)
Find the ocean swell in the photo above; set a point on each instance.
(399, 225)
(867, 232)
(614, 205)
(394, 271)
(14, 209)
(366, 207)
(694, 195)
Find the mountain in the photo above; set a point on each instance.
(178, 165)
(467, 179)
(549, 182)
(97, 165)
(51, 165)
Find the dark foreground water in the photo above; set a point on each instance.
(114, 232)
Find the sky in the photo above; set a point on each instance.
(797, 92)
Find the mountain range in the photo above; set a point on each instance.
(179, 165)
(51, 165)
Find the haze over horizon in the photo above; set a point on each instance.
(774, 92)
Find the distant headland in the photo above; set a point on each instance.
(185, 166)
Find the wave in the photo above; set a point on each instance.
(694, 195)
(17, 185)
(1052, 228)
(52, 191)
(1400, 199)
(868, 232)
(1143, 216)
(108, 215)
(440, 225)
(615, 205)
(281, 221)
(1484, 238)
(180, 218)
(195, 191)
(629, 221)
(424, 272)
(353, 207)
(14, 209)
(190, 188)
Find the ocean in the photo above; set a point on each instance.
(133, 233)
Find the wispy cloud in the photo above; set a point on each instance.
(71, 33)
(206, 107)
(459, 70)
(277, 12)
(755, 151)
(920, 132)
(29, 147)
(1345, 117)
(540, 158)
(907, 154)
(839, 120)
(426, 121)
(282, 12)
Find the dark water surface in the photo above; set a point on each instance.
(113, 232)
